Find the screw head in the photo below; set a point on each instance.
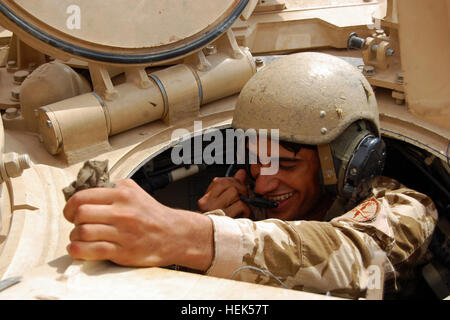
(323, 114)
(323, 131)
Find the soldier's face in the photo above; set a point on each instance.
(296, 185)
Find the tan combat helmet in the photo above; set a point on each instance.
(319, 99)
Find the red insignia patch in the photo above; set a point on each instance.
(366, 211)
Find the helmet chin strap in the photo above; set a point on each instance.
(329, 181)
(327, 165)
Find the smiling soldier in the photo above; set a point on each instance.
(331, 211)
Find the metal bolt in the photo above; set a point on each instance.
(49, 123)
(15, 164)
(12, 64)
(210, 49)
(323, 130)
(323, 114)
(20, 76)
(369, 71)
(399, 97)
(11, 113)
(399, 101)
(390, 52)
(259, 62)
(24, 161)
(429, 160)
(15, 94)
(355, 42)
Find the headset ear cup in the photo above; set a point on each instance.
(366, 163)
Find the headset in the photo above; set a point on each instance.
(358, 157)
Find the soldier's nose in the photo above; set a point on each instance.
(266, 184)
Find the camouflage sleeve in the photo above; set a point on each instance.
(330, 256)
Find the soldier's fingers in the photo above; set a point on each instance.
(94, 232)
(217, 186)
(222, 201)
(204, 203)
(238, 210)
(89, 196)
(224, 183)
(101, 250)
(94, 214)
(227, 198)
(241, 175)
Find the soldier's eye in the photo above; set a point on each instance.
(287, 165)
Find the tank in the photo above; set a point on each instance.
(88, 81)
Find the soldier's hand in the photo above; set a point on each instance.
(223, 193)
(129, 227)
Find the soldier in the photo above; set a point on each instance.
(333, 213)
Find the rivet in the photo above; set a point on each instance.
(324, 130)
(323, 114)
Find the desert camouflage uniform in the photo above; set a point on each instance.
(333, 256)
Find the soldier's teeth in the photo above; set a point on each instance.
(282, 197)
